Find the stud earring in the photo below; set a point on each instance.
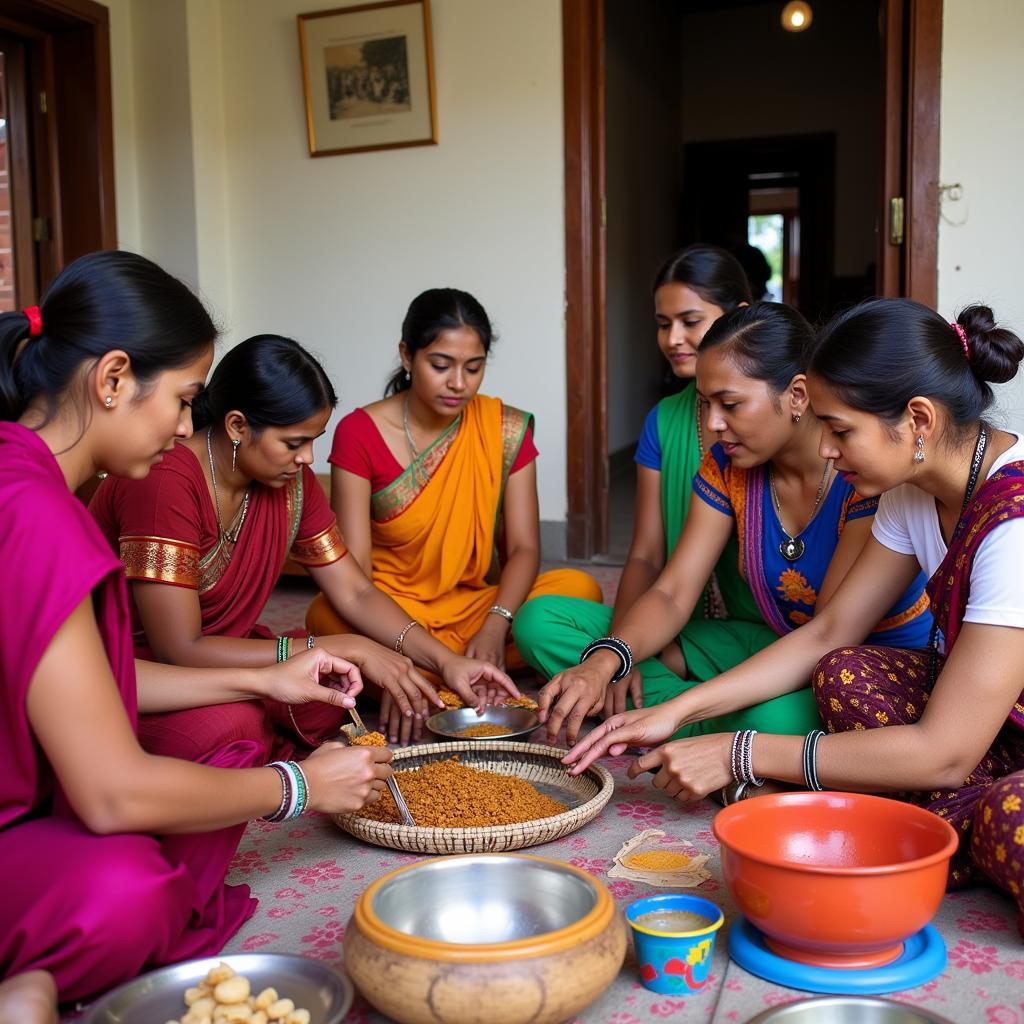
(796, 417)
(919, 454)
(234, 452)
(108, 402)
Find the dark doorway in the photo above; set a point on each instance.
(56, 141)
(731, 166)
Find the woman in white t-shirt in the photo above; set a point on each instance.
(901, 393)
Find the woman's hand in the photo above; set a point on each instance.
(315, 675)
(689, 769)
(643, 728)
(394, 673)
(615, 698)
(477, 682)
(489, 641)
(576, 693)
(343, 779)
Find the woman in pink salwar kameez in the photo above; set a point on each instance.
(112, 859)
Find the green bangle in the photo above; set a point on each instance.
(282, 648)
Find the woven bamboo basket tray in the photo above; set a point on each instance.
(585, 795)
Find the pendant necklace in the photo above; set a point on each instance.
(792, 547)
(231, 534)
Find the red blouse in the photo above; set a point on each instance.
(359, 448)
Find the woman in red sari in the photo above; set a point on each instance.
(901, 392)
(113, 859)
(203, 539)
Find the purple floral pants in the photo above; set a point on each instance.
(872, 687)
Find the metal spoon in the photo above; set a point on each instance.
(396, 794)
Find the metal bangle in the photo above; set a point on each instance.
(811, 741)
(500, 609)
(616, 645)
(400, 639)
(310, 642)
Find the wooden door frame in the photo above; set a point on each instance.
(916, 133)
(71, 62)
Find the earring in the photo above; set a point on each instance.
(919, 454)
(108, 402)
(796, 417)
(234, 452)
(408, 376)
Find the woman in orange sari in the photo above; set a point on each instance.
(203, 539)
(435, 490)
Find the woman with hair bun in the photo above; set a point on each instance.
(902, 393)
(203, 539)
(765, 487)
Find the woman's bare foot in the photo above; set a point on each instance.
(29, 998)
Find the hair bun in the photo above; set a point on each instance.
(996, 352)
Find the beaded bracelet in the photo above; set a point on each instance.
(618, 646)
(283, 647)
(811, 741)
(310, 642)
(299, 791)
(286, 794)
(741, 758)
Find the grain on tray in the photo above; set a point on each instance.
(486, 729)
(368, 739)
(453, 700)
(449, 794)
(226, 996)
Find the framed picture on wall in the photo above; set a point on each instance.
(368, 77)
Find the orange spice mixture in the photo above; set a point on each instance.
(453, 700)
(448, 794)
(484, 730)
(369, 739)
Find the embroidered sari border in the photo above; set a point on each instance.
(323, 549)
(391, 501)
(160, 560)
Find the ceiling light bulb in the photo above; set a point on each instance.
(796, 16)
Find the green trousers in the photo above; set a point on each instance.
(550, 632)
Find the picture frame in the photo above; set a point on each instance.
(368, 77)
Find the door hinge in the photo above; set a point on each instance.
(41, 229)
(896, 220)
(42, 101)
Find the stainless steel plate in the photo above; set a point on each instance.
(847, 1010)
(159, 996)
(484, 898)
(450, 723)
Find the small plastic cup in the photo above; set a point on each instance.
(673, 963)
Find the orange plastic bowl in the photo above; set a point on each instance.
(835, 879)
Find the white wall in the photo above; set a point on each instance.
(982, 148)
(331, 250)
(642, 186)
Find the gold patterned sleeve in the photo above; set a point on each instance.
(161, 560)
(323, 549)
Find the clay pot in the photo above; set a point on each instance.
(484, 939)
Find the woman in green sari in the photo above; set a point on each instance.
(693, 288)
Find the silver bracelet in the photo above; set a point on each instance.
(500, 609)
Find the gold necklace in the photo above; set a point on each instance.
(792, 548)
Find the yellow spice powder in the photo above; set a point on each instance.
(478, 731)
(657, 860)
(369, 739)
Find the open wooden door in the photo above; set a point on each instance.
(912, 56)
(907, 262)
